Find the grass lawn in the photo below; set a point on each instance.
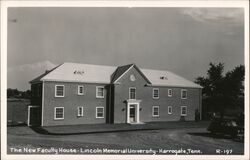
(17, 111)
(190, 136)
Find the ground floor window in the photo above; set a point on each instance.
(80, 111)
(155, 111)
(170, 110)
(59, 113)
(183, 110)
(99, 112)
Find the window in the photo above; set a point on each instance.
(80, 111)
(155, 93)
(132, 93)
(155, 111)
(170, 110)
(183, 94)
(59, 91)
(80, 90)
(99, 112)
(183, 110)
(99, 92)
(170, 92)
(59, 113)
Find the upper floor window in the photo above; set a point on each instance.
(155, 111)
(80, 90)
(155, 93)
(183, 110)
(59, 113)
(170, 110)
(183, 94)
(59, 90)
(99, 112)
(132, 93)
(80, 111)
(170, 92)
(99, 91)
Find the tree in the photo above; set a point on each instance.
(221, 92)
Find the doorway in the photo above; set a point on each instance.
(132, 113)
(34, 116)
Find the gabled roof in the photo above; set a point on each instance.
(120, 71)
(88, 73)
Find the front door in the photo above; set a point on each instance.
(132, 113)
(34, 116)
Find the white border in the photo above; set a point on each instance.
(186, 110)
(137, 111)
(55, 113)
(130, 93)
(78, 89)
(28, 121)
(182, 93)
(79, 115)
(57, 85)
(96, 88)
(171, 110)
(153, 111)
(154, 89)
(170, 95)
(213, 3)
(96, 111)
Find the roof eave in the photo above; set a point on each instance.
(177, 86)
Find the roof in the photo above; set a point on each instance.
(76, 72)
(38, 79)
(167, 78)
(120, 71)
(89, 73)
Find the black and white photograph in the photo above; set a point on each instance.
(143, 81)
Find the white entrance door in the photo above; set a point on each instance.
(133, 113)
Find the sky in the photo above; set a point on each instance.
(181, 40)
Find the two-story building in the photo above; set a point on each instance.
(74, 93)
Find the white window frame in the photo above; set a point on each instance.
(171, 110)
(78, 113)
(96, 112)
(97, 87)
(170, 91)
(55, 118)
(153, 95)
(83, 89)
(158, 115)
(182, 94)
(129, 94)
(56, 90)
(182, 109)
